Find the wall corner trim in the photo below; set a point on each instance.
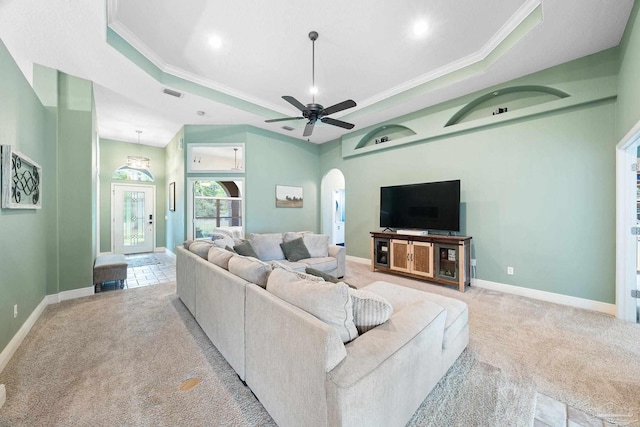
(568, 300)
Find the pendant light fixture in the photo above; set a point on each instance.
(138, 162)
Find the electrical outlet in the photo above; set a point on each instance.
(15, 311)
(473, 262)
(510, 271)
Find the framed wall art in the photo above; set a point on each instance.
(288, 196)
(21, 180)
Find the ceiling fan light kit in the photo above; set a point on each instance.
(313, 111)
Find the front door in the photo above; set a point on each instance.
(133, 218)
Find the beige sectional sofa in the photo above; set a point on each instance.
(299, 366)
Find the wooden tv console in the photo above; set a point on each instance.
(441, 259)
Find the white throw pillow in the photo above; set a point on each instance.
(317, 245)
(250, 269)
(220, 257)
(267, 246)
(369, 310)
(329, 302)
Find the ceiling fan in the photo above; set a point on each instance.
(313, 111)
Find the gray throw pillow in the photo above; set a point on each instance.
(245, 249)
(326, 276)
(295, 250)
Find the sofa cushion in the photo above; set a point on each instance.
(245, 249)
(369, 310)
(299, 274)
(317, 244)
(329, 302)
(295, 250)
(201, 248)
(250, 269)
(267, 246)
(187, 243)
(292, 235)
(220, 257)
(322, 264)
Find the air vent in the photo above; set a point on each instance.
(289, 128)
(172, 92)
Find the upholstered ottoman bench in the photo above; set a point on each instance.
(109, 268)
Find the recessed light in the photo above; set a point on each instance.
(200, 113)
(215, 42)
(420, 28)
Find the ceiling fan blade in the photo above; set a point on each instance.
(335, 122)
(308, 129)
(283, 119)
(291, 100)
(349, 103)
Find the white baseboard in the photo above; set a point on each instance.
(576, 302)
(358, 260)
(17, 339)
(15, 342)
(105, 253)
(168, 252)
(160, 249)
(72, 294)
(3, 395)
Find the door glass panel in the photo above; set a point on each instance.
(134, 218)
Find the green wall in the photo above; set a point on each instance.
(628, 79)
(76, 180)
(113, 154)
(538, 192)
(23, 257)
(270, 160)
(174, 166)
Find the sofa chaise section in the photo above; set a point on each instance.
(303, 374)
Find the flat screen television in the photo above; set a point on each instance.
(427, 206)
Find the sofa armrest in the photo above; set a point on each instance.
(288, 354)
(389, 370)
(340, 254)
(371, 349)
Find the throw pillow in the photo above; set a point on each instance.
(317, 244)
(295, 250)
(292, 235)
(250, 269)
(267, 246)
(245, 249)
(299, 274)
(223, 241)
(326, 276)
(369, 310)
(187, 243)
(219, 257)
(230, 249)
(329, 302)
(200, 248)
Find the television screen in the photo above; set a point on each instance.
(427, 206)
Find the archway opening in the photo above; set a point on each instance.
(332, 191)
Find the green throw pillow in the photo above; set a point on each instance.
(327, 277)
(295, 250)
(245, 249)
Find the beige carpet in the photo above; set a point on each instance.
(122, 358)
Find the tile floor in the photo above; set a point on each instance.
(150, 269)
(553, 413)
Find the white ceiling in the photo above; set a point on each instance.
(366, 51)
